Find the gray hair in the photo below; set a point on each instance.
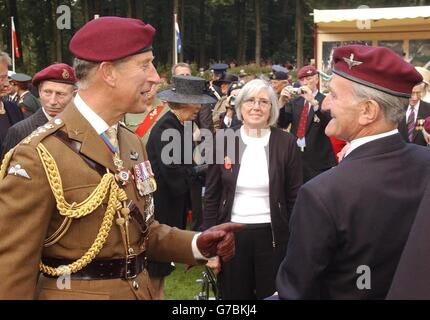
(250, 90)
(392, 107)
(83, 69)
(4, 57)
(180, 64)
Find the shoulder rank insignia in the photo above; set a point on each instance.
(17, 170)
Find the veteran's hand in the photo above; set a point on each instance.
(214, 264)
(219, 241)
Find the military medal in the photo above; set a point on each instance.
(316, 119)
(301, 142)
(144, 178)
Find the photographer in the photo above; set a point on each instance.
(308, 122)
(229, 118)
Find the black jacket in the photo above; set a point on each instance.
(14, 115)
(357, 214)
(22, 129)
(285, 179)
(318, 153)
(423, 112)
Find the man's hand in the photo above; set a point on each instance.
(284, 97)
(307, 94)
(219, 241)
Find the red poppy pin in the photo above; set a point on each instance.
(227, 163)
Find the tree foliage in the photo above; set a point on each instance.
(211, 30)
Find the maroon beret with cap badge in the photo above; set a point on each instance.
(306, 71)
(379, 68)
(111, 38)
(58, 72)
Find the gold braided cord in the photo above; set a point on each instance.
(95, 248)
(94, 200)
(107, 186)
(5, 163)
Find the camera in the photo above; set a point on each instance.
(295, 91)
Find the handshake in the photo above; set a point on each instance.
(219, 241)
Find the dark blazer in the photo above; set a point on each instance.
(14, 115)
(423, 112)
(22, 129)
(285, 179)
(318, 154)
(357, 214)
(412, 279)
(171, 199)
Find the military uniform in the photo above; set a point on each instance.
(29, 218)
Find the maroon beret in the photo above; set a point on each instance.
(111, 38)
(427, 125)
(306, 71)
(376, 67)
(58, 72)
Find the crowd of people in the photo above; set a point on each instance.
(94, 184)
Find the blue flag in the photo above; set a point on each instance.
(178, 38)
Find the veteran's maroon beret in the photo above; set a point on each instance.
(306, 71)
(376, 67)
(58, 72)
(111, 38)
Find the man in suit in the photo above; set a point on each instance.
(9, 111)
(87, 226)
(56, 85)
(350, 224)
(412, 280)
(411, 125)
(308, 123)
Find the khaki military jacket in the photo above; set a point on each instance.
(29, 215)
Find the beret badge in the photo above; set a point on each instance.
(65, 74)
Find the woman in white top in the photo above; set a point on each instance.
(259, 190)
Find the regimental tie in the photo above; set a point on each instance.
(112, 137)
(301, 129)
(411, 125)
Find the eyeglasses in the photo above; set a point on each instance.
(263, 103)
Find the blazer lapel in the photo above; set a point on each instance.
(92, 145)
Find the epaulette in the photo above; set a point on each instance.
(42, 132)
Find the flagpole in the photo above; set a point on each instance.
(175, 40)
(13, 44)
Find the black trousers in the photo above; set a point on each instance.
(252, 272)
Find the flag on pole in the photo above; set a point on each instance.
(15, 41)
(178, 38)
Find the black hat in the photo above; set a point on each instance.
(187, 89)
(219, 67)
(21, 78)
(279, 73)
(227, 78)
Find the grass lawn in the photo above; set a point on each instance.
(181, 285)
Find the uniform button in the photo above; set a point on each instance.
(135, 285)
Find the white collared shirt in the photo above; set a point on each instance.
(93, 118)
(46, 114)
(416, 108)
(354, 144)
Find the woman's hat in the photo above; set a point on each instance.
(187, 89)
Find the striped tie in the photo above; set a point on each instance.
(411, 125)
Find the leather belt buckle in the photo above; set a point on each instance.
(131, 267)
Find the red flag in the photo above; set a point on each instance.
(15, 41)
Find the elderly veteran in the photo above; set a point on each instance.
(89, 218)
(350, 224)
(56, 85)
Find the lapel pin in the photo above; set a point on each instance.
(134, 155)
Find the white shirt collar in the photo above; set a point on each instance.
(93, 118)
(46, 114)
(354, 144)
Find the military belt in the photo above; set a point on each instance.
(103, 269)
